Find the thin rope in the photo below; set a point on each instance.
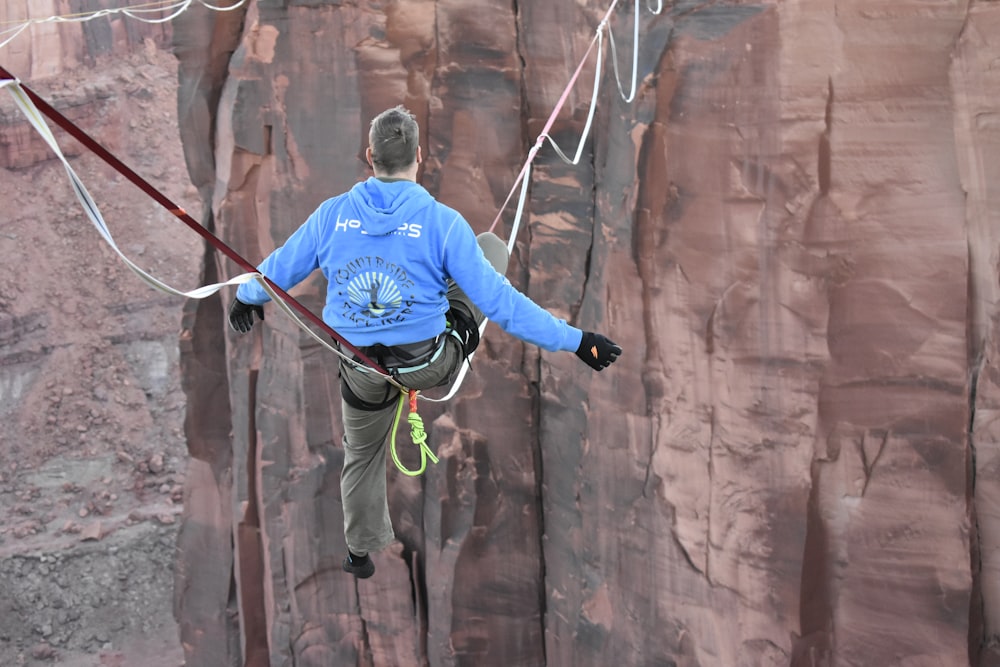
(635, 50)
(544, 134)
(545, 130)
(75, 15)
(28, 102)
(590, 113)
(137, 12)
(524, 176)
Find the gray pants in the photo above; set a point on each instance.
(367, 526)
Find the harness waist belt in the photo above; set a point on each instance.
(403, 356)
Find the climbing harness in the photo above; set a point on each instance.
(33, 106)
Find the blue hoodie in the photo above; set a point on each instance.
(387, 249)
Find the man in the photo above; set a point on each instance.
(408, 285)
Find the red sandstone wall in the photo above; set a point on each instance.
(49, 48)
(793, 230)
(793, 233)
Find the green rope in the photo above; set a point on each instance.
(417, 434)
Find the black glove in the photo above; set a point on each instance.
(597, 351)
(241, 315)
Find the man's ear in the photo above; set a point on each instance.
(420, 155)
(368, 156)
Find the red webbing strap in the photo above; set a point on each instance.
(100, 151)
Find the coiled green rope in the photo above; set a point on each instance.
(417, 433)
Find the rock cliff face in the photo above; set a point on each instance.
(792, 230)
(92, 448)
(49, 48)
(793, 233)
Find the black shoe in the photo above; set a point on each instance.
(362, 568)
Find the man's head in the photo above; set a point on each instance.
(394, 143)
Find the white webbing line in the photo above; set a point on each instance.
(460, 378)
(593, 102)
(635, 50)
(90, 207)
(177, 7)
(526, 176)
(92, 211)
(597, 77)
(37, 121)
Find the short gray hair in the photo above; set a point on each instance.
(393, 138)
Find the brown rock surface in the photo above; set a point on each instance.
(793, 232)
(90, 386)
(975, 73)
(53, 48)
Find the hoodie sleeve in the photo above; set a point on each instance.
(500, 301)
(288, 265)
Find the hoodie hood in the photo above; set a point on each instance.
(382, 206)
